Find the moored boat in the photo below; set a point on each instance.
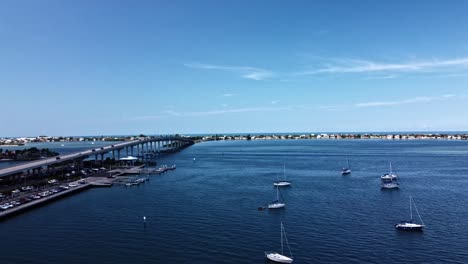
(277, 257)
(284, 182)
(409, 225)
(276, 204)
(389, 176)
(347, 169)
(390, 185)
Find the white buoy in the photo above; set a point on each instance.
(144, 219)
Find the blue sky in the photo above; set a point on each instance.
(125, 67)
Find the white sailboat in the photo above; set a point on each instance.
(277, 257)
(389, 176)
(276, 204)
(347, 170)
(390, 185)
(409, 225)
(283, 182)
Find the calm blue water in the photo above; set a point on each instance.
(206, 211)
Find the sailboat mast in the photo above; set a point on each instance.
(277, 194)
(417, 211)
(410, 209)
(391, 168)
(284, 171)
(281, 238)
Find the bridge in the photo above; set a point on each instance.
(147, 145)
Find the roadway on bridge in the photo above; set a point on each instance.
(58, 159)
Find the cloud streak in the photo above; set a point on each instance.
(169, 113)
(423, 99)
(237, 110)
(367, 66)
(348, 107)
(172, 113)
(246, 72)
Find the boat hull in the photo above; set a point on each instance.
(276, 205)
(389, 186)
(409, 227)
(278, 258)
(345, 172)
(282, 183)
(387, 179)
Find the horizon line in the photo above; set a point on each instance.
(242, 133)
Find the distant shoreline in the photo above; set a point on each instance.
(252, 136)
(336, 136)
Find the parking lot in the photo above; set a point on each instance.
(29, 193)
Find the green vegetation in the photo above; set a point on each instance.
(27, 154)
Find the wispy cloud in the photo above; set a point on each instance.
(333, 108)
(274, 102)
(341, 107)
(382, 77)
(172, 113)
(237, 110)
(367, 66)
(423, 99)
(227, 95)
(225, 110)
(246, 72)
